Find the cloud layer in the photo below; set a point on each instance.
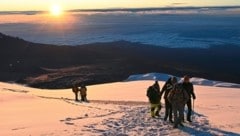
(170, 27)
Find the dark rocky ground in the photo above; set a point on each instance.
(50, 66)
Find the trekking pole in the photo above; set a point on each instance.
(193, 110)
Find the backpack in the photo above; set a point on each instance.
(178, 95)
(153, 95)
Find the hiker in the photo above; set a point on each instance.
(168, 86)
(153, 94)
(75, 91)
(178, 97)
(83, 93)
(188, 86)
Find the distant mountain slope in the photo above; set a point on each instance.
(51, 66)
(194, 80)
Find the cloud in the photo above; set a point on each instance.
(21, 12)
(176, 4)
(163, 10)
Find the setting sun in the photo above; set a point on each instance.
(55, 10)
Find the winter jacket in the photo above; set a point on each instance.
(75, 89)
(189, 88)
(83, 91)
(178, 96)
(166, 89)
(153, 95)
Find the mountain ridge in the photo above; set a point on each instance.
(29, 63)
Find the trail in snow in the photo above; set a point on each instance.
(136, 120)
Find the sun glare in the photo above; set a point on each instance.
(55, 10)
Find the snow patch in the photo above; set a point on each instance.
(194, 80)
(149, 76)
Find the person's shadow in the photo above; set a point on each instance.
(201, 127)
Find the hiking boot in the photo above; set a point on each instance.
(189, 120)
(157, 115)
(181, 124)
(183, 120)
(175, 126)
(152, 113)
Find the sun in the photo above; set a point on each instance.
(56, 10)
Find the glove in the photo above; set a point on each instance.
(194, 97)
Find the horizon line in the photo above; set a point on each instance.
(120, 9)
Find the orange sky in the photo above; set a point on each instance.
(23, 5)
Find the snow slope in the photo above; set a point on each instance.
(194, 80)
(115, 109)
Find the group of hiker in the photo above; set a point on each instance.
(82, 90)
(176, 96)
